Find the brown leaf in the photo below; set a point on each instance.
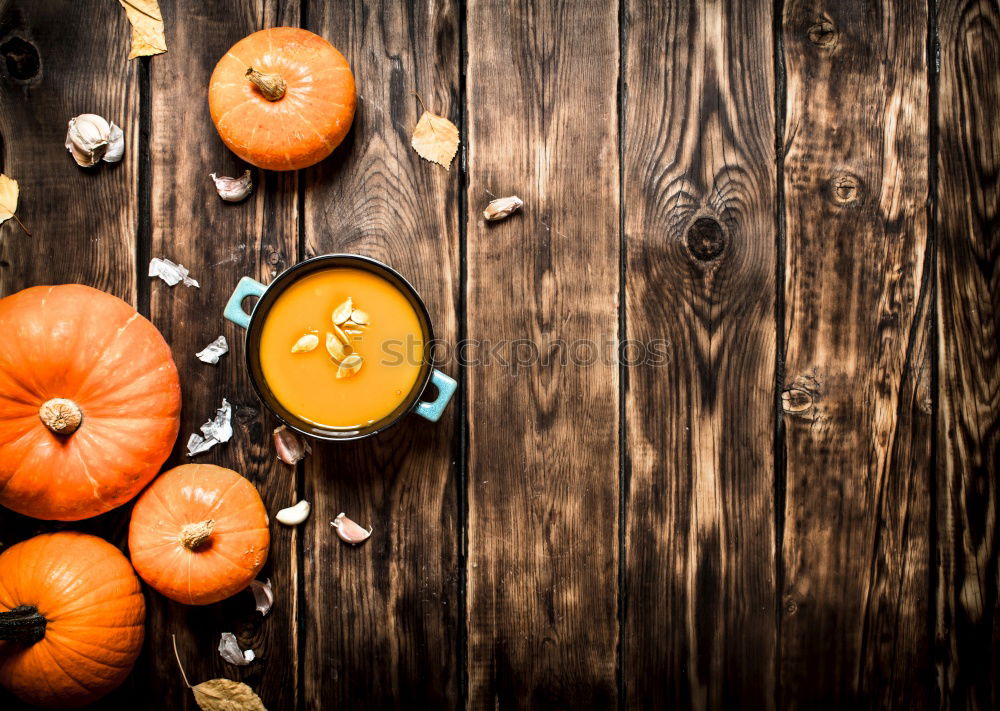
(435, 138)
(226, 695)
(147, 27)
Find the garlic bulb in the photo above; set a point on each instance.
(232, 189)
(91, 138)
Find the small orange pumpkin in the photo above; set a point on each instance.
(71, 619)
(89, 402)
(199, 534)
(282, 99)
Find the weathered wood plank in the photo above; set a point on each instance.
(82, 221)
(382, 620)
(857, 403)
(219, 242)
(700, 235)
(968, 434)
(543, 435)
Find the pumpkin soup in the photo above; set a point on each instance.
(341, 348)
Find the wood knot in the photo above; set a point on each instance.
(21, 59)
(822, 33)
(790, 606)
(845, 189)
(705, 239)
(796, 400)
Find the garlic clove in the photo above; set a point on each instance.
(502, 207)
(350, 532)
(232, 189)
(87, 139)
(290, 445)
(294, 515)
(263, 595)
(116, 145)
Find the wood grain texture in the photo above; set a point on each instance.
(543, 437)
(82, 221)
(382, 619)
(700, 237)
(968, 435)
(219, 242)
(857, 401)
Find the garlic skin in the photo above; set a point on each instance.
(294, 515)
(290, 445)
(348, 531)
(502, 207)
(232, 189)
(91, 138)
(263, 595)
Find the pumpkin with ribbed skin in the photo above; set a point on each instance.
(89, 402)
(282, 99)
(71, 619)
(199, 534)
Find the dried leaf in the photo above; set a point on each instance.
(230, 650)
(147, 27)
(219, 429)
(213, 351)
(435, 138)
(8, 201)
(226, 695)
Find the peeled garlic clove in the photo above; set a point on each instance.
(289, 445)
(306, 343)
(359, 317)
(348, 531)
(232, 189)
(263, 595)
(294, 515)
(502, 207)
(350, 365)
(334, 347)
(87, 139)
(342, 312)
(116, 145)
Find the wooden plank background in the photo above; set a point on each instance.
(772, 481)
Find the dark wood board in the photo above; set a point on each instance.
(967, 628)
(543, 437)
(857, 401)
(700, 246)
(381, 620)
(220, 243)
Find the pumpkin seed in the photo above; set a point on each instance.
(342, 312)
(341, 335)
(359, 317)
(306, 343)
(350, 366)
(334, 347)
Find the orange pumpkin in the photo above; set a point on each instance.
(282, 99)
(199, 534)
(89, 402)
(71, 619)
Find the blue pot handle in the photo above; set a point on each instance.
(234, 307)
(446, 388)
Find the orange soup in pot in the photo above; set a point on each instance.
(341, 348)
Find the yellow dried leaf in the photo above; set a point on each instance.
(147, 27)
(8, 198)
(435, 138)
(226, 695)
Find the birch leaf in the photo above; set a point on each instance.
(226, 695)
(8, 201)
(435, 138)
(147, 27)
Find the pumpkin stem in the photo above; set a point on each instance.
(194, 535)
(60, 415)
(272, 86)
(22, 624)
